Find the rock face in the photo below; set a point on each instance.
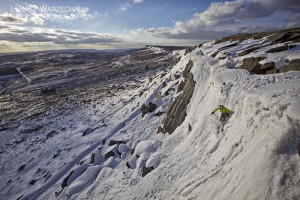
(291, 65)
(278, 49)
(177, 110)
(247, 51)
(228, 46)
(284, 37)
(253, 66)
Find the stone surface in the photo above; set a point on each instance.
(293, 65)
(247, 51)
(177, 110)
(251, 64)
(147, 170)
(180, 86)
(278, 49)
(113, 142)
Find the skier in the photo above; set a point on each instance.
(225, 113)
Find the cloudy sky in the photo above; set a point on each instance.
(31, 25)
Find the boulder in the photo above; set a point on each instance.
(252, 64)
(51, 133)
(109, 154)
(164, 84)
(32, 182)
(145, 109)
(113, 142)
(176, 76)
(158, 114)
(147, 170)
(278, 49)
(152, 106)
(22, 167)
(88, 131)
(291, 65)
(65, 181)
(169, 91)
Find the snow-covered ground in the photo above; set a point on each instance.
(255, 157)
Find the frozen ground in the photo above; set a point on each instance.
(121, 155)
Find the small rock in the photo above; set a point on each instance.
(21, 167)
(158, 114)
(65, 181)
(51, 133)
(109, 154)
(113, 142)
(127, 164)
(278, 49)
(32, 182)
(147, 170)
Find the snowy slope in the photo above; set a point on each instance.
(256, 157)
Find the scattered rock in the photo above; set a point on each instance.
(291, 65)
(92, 158)
(88, 131)
(21, 167)
(169, 91)
(150, 108)
(158, 114)
(65, 181)
(127, 164)
(109, 154)
(160, 130)
(147, 170)
(113, 142)
(51, 133)
(32, 182)
(176, 76)
(278, 49)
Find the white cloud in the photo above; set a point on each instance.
(128, 4)
(137, 1)
(125, 6)
(222, 18)
(55, 36)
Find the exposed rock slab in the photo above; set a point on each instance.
(177, 111)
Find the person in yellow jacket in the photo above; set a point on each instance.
(225, 113)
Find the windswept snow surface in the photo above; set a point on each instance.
(255, 157)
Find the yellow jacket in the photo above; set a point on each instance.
(223, 110)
